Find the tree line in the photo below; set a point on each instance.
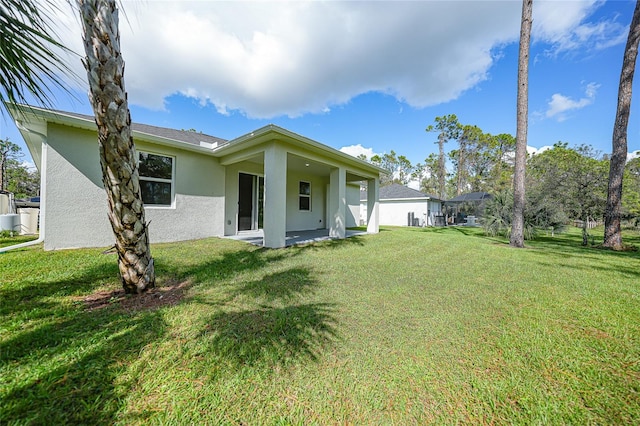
(564, 183)
(15, 176)
(481, 162)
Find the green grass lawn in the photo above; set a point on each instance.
(410, 326)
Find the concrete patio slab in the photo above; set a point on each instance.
(292, 237)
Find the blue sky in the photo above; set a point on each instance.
(367, 76)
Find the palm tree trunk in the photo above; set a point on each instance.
(517, 226)
(612, 228)
(105, 71)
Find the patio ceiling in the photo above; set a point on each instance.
(304, 165)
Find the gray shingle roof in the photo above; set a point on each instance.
(471, 196)
(396, 191)
(186, 136)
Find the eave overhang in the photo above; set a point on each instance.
(271, 132)
(32, 122)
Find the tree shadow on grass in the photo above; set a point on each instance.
(569, 246)
(469, 231)
(74, 367)
(64, 363)
(269, 321)
(283, 286)
(599, 264)
(453, 229)
(38, 297)
(573, 242)
(222, 266)
(566, 244)
(269, 336)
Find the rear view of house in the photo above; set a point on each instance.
(194, 185)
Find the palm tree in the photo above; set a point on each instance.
(28, 62)
(517, 226)
(612, 229)
(105, 72)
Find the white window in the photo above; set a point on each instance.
(156, 179)
(304, 196)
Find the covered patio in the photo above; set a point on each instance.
(281, 184)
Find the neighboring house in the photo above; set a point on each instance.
(403, 206)
(194, 185)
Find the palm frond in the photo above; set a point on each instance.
(29, 64)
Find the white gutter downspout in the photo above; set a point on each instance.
(43, 192)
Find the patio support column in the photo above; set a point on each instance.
(275, 196)
(337, 203)
(373, 205)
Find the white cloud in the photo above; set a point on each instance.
(267, 59)
(510, 156)
(531, 150)
(632, 155)
(560, 104)
(29, 165)
(356, 150)
(414, 184)
(562, 25)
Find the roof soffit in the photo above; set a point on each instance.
(298, 145)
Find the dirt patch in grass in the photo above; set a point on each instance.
(586, 331)
(169, 294)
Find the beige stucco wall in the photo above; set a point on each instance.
(298, 220)
(76, 211)
(353, 206)
(198, 210)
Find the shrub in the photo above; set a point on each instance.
(539, 214)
